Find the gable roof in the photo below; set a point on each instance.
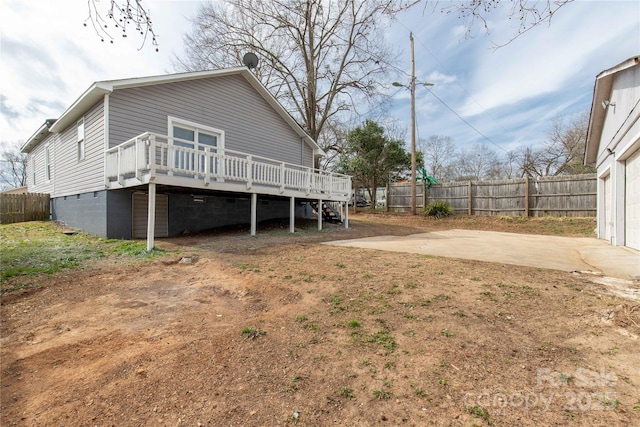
(97, 91)
(602, 92)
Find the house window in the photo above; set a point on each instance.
(191, 135)
(47, 164)
(81, 144)
(33, 170)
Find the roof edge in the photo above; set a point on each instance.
(601, 92)
(98, 89)
(38, 136)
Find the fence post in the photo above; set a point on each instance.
(424, 195)
(526, 196)
(469, 199)
(386, 203)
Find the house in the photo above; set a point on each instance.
(199, 150)
(613, 145)
(18, 190)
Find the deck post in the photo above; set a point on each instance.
(151, 218)
(292, 215)
(346, 214)
(320, 214)
(254, 211)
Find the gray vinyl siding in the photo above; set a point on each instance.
(41, 185)
(75, 176)
(228, 103)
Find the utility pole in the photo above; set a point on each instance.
(413, 128)
(412, 89)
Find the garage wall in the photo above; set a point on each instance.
(632, 201)
(607, 204)
(618, 147)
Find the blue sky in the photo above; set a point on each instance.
(510, 95)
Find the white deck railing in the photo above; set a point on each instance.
(152, 155)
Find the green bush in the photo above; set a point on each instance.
(439, 209)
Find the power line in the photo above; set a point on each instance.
(399, 70)
(462, 87)
(466, 122)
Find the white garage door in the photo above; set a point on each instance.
(606, 200)
(632, 201)
(140, 215)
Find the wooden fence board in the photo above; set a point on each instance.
(24, 207)
(572, 195)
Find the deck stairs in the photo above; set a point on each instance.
(330, 211)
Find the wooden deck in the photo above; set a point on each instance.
(157, 158)
(154, 159)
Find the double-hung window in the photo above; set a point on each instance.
(47, 163)
(201, 143)
(81, 144)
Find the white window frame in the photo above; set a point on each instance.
(33, 169)
(196, 127)
(186, 124)
(81, 139)
(47, 163)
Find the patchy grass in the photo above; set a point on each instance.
(421, 340)
(251, 332)
(37, 248)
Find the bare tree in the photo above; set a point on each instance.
(320, 58)
(334, 137)
(510, 165)
(13, 166)
(563, 151)
(478, 163)
(121, 17)
(528, 13)
(439, 154)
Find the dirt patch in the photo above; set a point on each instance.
(344, 336)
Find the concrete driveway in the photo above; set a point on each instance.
(559, 253)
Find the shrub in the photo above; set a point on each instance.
(439, 209)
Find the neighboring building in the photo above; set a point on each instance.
(613, 145)
(212, 148)
(19, 190)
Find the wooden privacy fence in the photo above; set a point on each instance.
(24, 207)
(571, 195)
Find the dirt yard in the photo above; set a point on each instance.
(228, 330)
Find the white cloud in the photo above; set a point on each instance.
(48, 58)
(440, 78)
(546, 60)
(510, 95)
